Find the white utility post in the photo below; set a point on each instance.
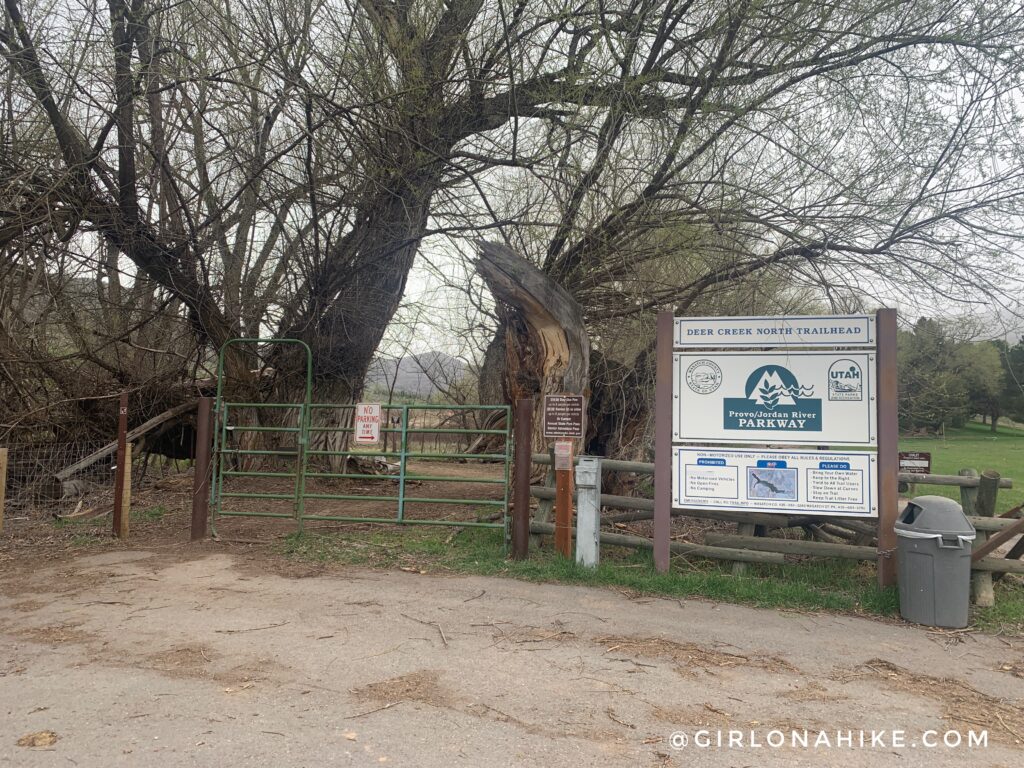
(588, 511)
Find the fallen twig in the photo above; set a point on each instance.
(429, 624)
(250, 629)
(378, 709)
(611, 714)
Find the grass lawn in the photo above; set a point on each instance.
(839, 586)
(834, 585)
(977, 447)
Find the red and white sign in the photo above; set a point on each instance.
(367, 424)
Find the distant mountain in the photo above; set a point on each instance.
(417, 374)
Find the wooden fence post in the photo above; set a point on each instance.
(984, 506)
(742, 529)
(663, 427)
(523, 437)
(201, 471)
(3, 485)
(545, 506)
(122, 478)
(968, 496)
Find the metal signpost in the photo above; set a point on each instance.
(736, 399)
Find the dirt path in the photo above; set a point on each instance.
(135, 658)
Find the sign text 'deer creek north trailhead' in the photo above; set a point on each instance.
(838, 331)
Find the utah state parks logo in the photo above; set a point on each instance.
(845, 381)
(775, 400)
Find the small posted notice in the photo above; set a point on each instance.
(715, 481)
(916, 462)
(563, 416)
(803, 482)
(367, 424)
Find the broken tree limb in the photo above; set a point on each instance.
(676, 547)
(997, 540)
(791, 546)
(133, 435)
(547, 349)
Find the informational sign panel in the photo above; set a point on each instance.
(817, 331)
(915, 462)
(801, 482)
(367, 423)
(806, 398)
(563, 416)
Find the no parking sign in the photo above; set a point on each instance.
(367, 423)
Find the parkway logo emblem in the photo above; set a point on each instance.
(774, 400)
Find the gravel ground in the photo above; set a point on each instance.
(194, 656)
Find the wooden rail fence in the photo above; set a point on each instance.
(751, 544)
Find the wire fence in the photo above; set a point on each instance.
(42, 479)
(34, 481)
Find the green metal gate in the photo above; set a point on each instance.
(304, 455)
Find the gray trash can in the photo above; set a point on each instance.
(933, 553)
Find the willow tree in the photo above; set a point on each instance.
(274, 166)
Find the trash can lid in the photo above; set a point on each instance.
(933, 516)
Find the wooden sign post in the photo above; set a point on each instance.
(888, 447)
(3, 484)
(563, 497)
(122, 478)
(521, 490)
(201, 467)
(563, 421)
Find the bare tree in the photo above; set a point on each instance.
(272, 167)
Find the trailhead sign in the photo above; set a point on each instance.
(739, 417)
(814, 398)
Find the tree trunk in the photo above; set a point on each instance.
(541, 329)
(546, 347)
(620, 411)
